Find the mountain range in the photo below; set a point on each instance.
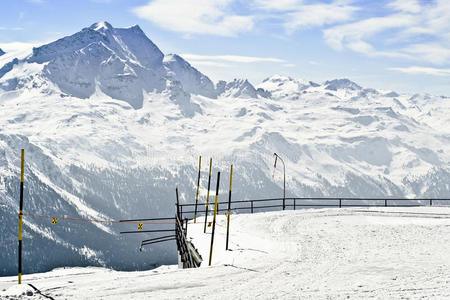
(111, 125)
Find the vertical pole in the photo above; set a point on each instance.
(22, 163)
(294, 203)
(431, 202)
(198, 187)
(178, 204)
(229, 207)
(251, 202)
(214, 219)
(340, 203)
(207, 195)
(385, 202)
(284, 186)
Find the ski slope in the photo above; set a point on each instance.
(382, 253)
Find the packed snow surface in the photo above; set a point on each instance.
(356, 253)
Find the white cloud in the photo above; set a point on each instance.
(405, 33)
(423, 70)
(208, 63)
(213, 17)
(353, 34)
(280, 5)
(318, 15)
(11, 28)
(431, 52)
(296, 14)
(232, 58)
(411, 6)
(18, 46)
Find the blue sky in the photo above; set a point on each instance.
(403, 45)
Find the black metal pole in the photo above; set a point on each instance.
(284, 181)
(161, 237)
(198, 187)
(229, 207)
(214, 219)
(178, 204)
(22, 163)
(207, 195)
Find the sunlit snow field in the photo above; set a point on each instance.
(382, 253)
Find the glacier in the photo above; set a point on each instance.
(111, 125)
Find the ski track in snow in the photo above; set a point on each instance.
(380, 253)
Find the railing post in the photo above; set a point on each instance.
(294, 203)
(385, 202)
(198, 188)
(431, 202)
(185, 228)
(251, 202)
(207, 195)
(229, 208)
(22, 164)
(340, 203)
(214, 219)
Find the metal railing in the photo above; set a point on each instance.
(189, 256)
(254, 205)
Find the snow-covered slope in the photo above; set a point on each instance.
(380, 253)
(136, 121)
(192, 80)
(240, 88)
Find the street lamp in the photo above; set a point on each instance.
(284, 178)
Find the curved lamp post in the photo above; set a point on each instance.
(284, 178)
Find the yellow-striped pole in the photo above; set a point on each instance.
(22, 163)
(198, 187)
(207, 195)
(214, 219)
(229, 207)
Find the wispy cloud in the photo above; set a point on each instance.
(297, 15)
(213, 17)
(209, 63)
(354, 35)
(422, 70)
(318, 15)
(18, 46)
(232, 58)
(11, 28)
(404, 32)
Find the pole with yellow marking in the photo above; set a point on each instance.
(22, 163)
(229, 207)
(198, 187)
(214, 219)
(207, 195)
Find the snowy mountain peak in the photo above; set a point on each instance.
(1, 52)
(101, 26)
(284, 86)
(123, 63)
(343, 83)
(278, 78)
(192, 80)
(238, 88)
